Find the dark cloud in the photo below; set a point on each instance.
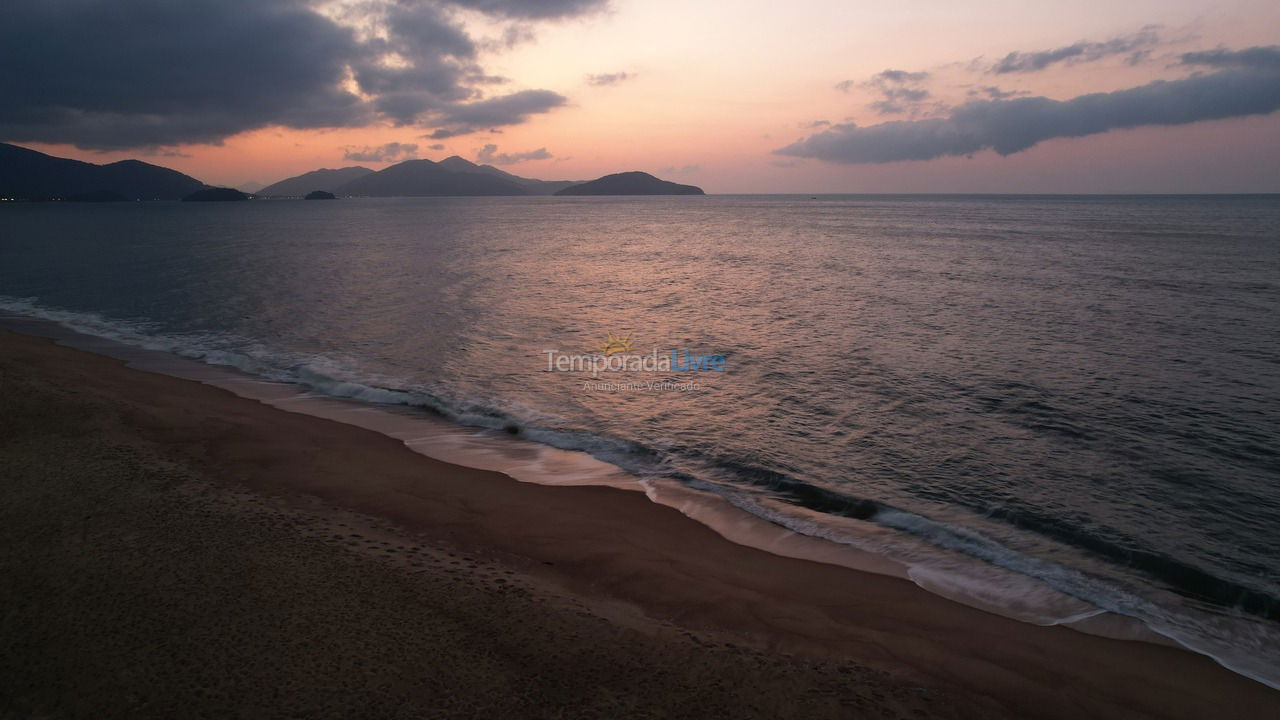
(1249, 86)
(482, 79)
(436, 146)
(383, 153)
(885, 79)
(532, 9)
(512, 36)
(489, 154)
(1083, 51)
(994, 93)
(164, 152)
(415, 59)
(900, 100)
(460, 119)
(607, 79)
(102, 74)
(146, 73)
(898, 77)
(1262, 57)
(899, 91)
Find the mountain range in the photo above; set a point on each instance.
(324, 179)
(29, 175)
(451, 176)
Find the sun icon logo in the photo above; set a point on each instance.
(615, 344)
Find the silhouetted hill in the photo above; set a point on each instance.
(136, 179)
(325, 179)
(414, 178)
(215, 195)
(630, 183)
(29, 175)
(452, 176)
(535, 187)
(320, 195)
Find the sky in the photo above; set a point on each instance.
(807, 96)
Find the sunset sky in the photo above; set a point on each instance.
(803, 96)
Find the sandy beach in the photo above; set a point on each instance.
(172, 550)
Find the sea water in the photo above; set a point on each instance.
(1051, 407)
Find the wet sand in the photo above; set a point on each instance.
(172, 550)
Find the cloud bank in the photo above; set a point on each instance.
(489, 154)
(1261, 58)
(103, 74)
(1248, 84)
(531, 9)
(1133, 45)
(460, 119)
(383, 153)
(899, 91)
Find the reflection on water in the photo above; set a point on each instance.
(1080, 390)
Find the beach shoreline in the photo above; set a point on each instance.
(632, 564)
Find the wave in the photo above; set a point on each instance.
(1015, 583)
(1180, 577)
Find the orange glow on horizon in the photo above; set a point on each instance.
(714, 88)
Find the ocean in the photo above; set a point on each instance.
(1060, 408)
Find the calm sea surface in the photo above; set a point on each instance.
(1062, 405)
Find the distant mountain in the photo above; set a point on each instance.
(320, 195)
(30, 175)
(215, 195)
(415, 178)
(452, 176)
(535, 187)
(326, 179)
(630, 183)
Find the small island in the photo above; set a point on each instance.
(320, 195)
(630, 183)
(215, 195)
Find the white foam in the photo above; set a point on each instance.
(958, 563)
